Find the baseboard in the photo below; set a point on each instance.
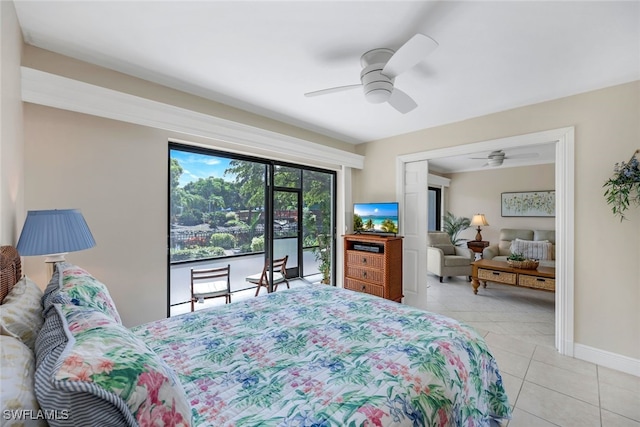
(607, 359)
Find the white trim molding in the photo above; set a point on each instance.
(51, 90)
(438, 180)
(608, 359)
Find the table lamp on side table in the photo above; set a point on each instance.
(54, 233)
(478, 220)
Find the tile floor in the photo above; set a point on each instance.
(544, 387)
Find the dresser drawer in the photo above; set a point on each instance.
(497, 276)
(365, 259)
(537, 282)
(368, 288)
(366, 274)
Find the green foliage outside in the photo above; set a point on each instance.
(197, 253)
(257, 244)
(224, 240)
(217, 202)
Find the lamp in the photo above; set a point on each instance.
(478, 220)
(54, 233)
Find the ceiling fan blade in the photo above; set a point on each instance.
(409, 54)
(332, 90)
(523, 156)
(401, 101)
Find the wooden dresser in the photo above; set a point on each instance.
(373, 264)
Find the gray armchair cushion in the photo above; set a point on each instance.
(441, 240)
(445, 259)
(446, 249)
(456, 261)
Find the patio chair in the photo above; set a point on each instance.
(279, 275)
(210, 283)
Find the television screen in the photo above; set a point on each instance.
(375, 217)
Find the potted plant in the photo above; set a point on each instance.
(453, 225)
(623, 188)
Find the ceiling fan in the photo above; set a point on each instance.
(381, 66)
(497, 157)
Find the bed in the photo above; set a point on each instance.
(309, 356)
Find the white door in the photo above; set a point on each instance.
(414, 230)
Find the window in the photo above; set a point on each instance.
(434, 213)
(225, 208)
(216, 206)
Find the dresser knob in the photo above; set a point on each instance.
(364, 287)
(364, 260)
(364, 274)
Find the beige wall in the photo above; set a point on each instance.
(607, 251)
(11, 179)
(480, 192)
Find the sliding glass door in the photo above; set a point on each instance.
(230, 209)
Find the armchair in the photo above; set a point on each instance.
(445, 259)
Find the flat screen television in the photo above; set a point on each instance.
(375, 218)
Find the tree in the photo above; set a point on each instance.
(177, 194)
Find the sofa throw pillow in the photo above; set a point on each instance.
(21, 312)
(540, 250)
(105, 364)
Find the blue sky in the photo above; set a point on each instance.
(376, 209)
(197, 166)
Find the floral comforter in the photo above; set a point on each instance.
(323, 356)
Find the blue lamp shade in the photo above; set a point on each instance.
(54, 231)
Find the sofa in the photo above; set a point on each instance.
(446, 260)
(534, 244)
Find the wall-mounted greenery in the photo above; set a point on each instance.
(623, 188)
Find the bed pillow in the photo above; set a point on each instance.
(17, 391)
(95, 367)
(71, 284)
(21, 312)
(530, 249)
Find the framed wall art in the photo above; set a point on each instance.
(529, 203)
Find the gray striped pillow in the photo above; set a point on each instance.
(530, 249)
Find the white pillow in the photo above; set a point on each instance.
(19, 404)
(21, 312)
(530, 249)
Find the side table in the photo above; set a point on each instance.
(477, 246)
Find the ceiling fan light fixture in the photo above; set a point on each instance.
(377, 96)
(497, 161)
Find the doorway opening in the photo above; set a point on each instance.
(411, 180)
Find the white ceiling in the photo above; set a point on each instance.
(262, 56)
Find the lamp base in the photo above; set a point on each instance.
(478, 235)
(51, 261)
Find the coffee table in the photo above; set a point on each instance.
(487, 270)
